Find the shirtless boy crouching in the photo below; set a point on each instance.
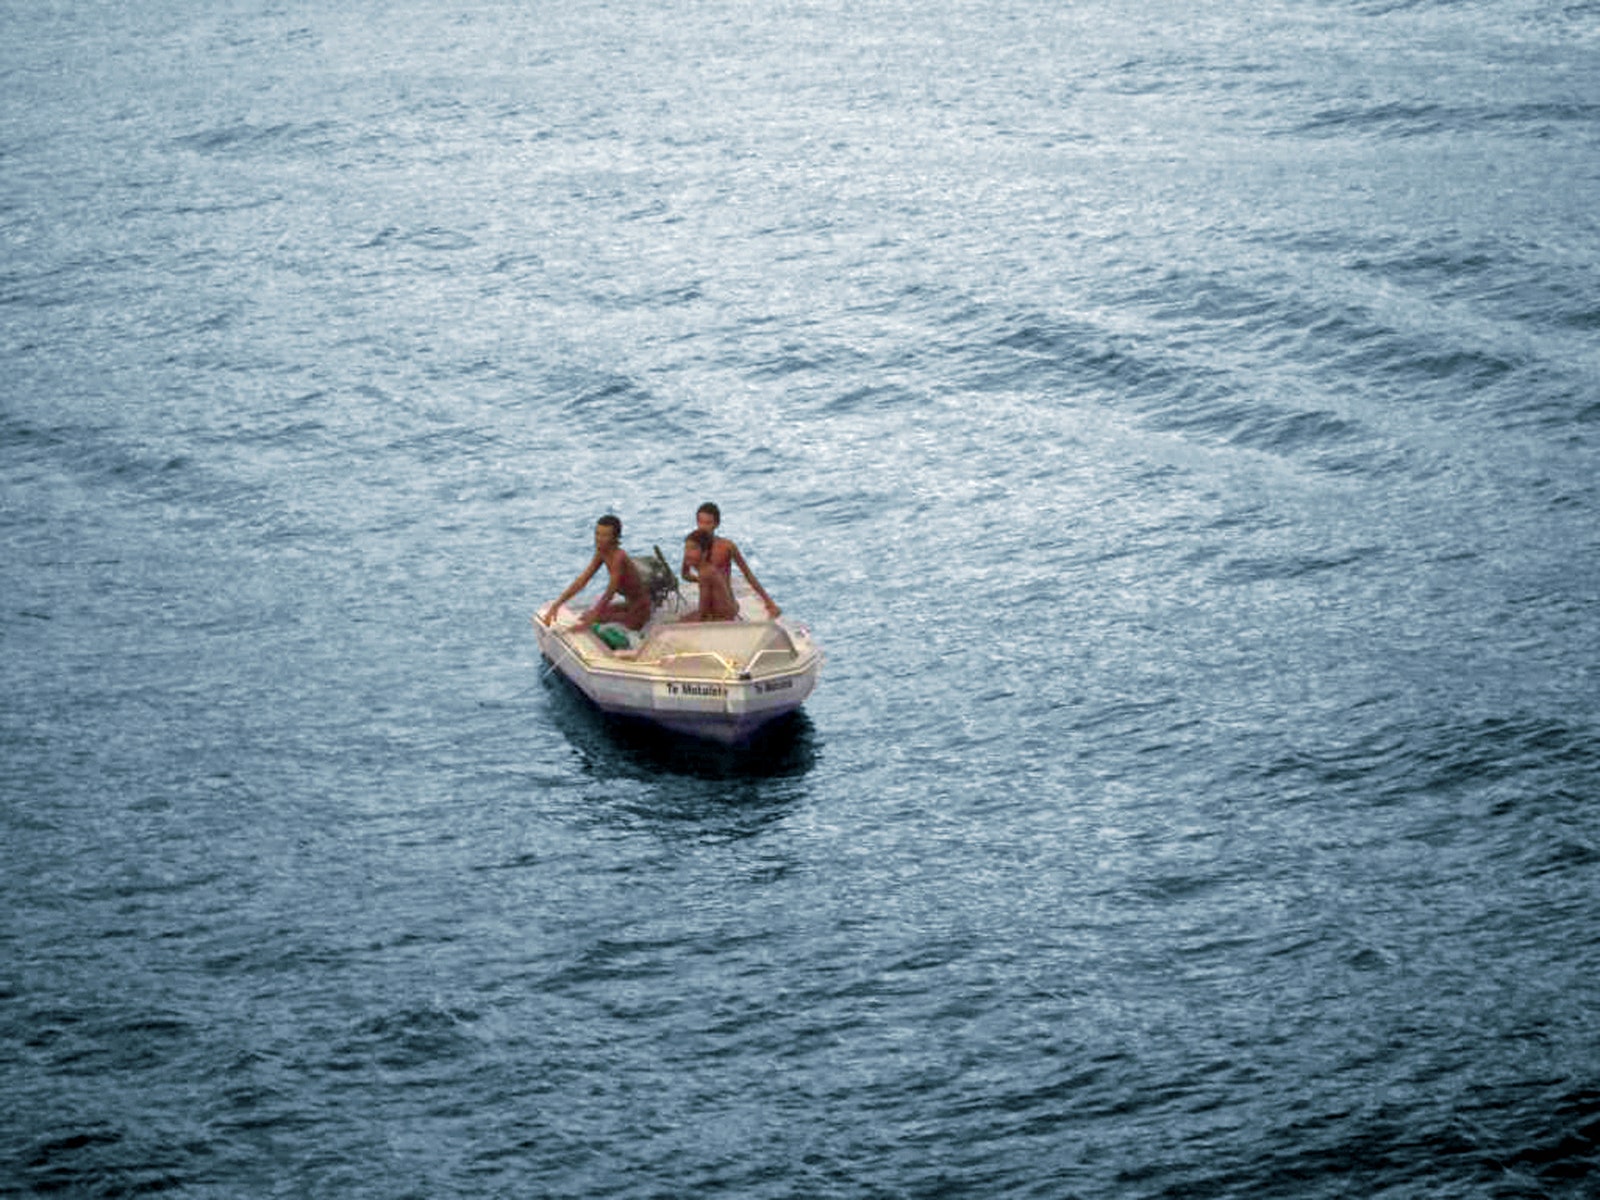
(718, 556)
(716, 594)
(633, 609)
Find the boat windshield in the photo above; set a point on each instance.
(715, 647)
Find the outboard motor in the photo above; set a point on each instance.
(659, 578)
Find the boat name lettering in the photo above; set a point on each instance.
(775, 685)
(696, 689)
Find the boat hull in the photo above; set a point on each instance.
(721, 681)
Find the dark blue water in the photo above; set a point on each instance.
(1180, 423)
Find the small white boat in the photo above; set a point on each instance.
(721, 680)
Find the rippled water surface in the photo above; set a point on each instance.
(1178, 422)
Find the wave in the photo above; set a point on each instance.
(431, 237)
(1172, 384)
(617, 400)
(1402, 120)
(1546, 756)
(103, 1158)
(246, 138)
(1487, 1143)
(410, 1039)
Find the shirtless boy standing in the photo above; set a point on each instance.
(633, 610)
(722, 556)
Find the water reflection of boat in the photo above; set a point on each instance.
(721, 680)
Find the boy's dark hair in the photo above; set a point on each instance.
(708, 507)
(702, 539)
(614, 522)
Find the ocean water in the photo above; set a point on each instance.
(1179, 422)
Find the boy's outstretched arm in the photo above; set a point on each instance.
(576, 586)
(772, 606)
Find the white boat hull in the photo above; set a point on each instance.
(720, 680)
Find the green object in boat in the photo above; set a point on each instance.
(611, 636)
